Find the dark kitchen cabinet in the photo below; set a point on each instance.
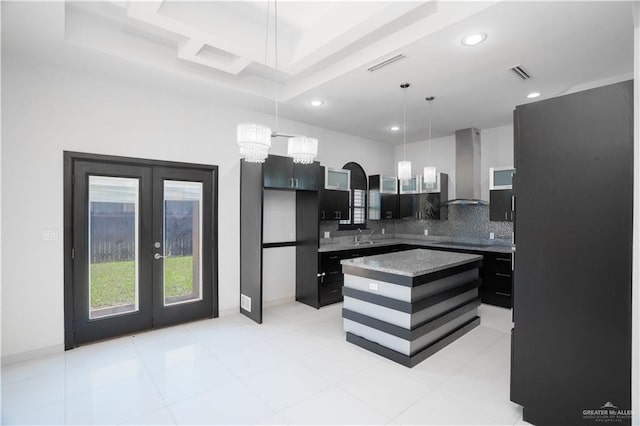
(333, 205)
(420, 206)
(254, 179)
(497, 279)
(500, 205)
(280, 172)
(327, 289)
(383, 198)
(571, 344)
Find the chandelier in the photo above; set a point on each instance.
(254, 140)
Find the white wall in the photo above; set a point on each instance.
(496, 150)
(47, 110)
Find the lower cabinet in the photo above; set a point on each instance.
(497, 280)
(330, 277)
(496, 274)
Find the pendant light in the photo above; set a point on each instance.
(429, 175)
(254, 140)
(404, 167)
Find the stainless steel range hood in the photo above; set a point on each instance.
(468, 168)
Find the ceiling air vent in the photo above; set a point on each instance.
(520, 72)
(386, 62)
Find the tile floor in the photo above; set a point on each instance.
(295, 368)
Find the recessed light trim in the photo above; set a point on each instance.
(316, 102)
(474, 39)
(394, 128)
(533, 95)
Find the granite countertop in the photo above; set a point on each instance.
(412, 263)
(497, 248)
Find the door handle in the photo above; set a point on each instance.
(158, 256)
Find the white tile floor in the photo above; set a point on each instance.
(296, 368)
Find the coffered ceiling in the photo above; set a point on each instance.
(326, 48)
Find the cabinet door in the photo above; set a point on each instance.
(500, 205)
(334, 205)
(277, 172)
(407, 206)
(389, 206)
(342, 203)
(306, 176)
(428, 206)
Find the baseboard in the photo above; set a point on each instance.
(29, 355)
(283, 301)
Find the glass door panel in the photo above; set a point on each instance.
(113, 246)
(182, 272)
(183, 264)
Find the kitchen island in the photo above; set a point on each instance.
(408, 305)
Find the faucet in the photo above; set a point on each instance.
(355, 239)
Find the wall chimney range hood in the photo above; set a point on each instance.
(468, 168)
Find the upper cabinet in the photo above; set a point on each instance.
(282, 173)
(383, 197)
(501, 194)
(501, 177)
(337, 179)
(501, 205)
(427, 202)
(410, 186)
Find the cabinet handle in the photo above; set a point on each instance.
(505, 216)
(333, 272)
(503, 275)
(499, 293)
(502, 259)
(333, 257)
(513, 202)
(322, 215)
(296, 180)
(333, 291)
(339, 215)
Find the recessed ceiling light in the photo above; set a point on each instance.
(474, 39)
(533, 95)
(394, 128)
(316, 103)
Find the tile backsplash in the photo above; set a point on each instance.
(465, 223)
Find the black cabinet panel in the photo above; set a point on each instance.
(334, 205)
(281, 173)
(306, 176)
(428, 206)
(389, 206)
(500, 205)
(572, 290)
(277, 172)
(406, 204)
(251, 237)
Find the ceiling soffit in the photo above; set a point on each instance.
(225, 41)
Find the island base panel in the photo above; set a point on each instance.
(405, 319)
(410, 361)
(404, 346)
(409, 294)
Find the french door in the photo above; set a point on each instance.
(142, 252)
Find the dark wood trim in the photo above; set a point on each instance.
(69, 159)
(415, 332)
(410, 281)
(114, 159)
(409, 307)
(281, 244)
(411, 361)
(69, 313)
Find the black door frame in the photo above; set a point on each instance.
(69, 158)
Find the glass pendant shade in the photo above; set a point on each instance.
(429, 177)
(254, 142)
(302, 149)
(404, 170)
